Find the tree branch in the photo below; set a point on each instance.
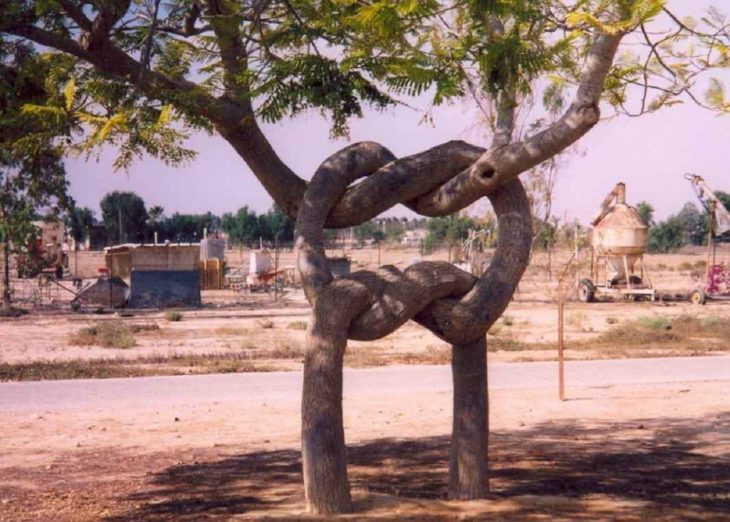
(502, 163)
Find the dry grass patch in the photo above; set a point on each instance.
(110, 334)
(143, 366)
(297, 325)
(281, 349)
(232, 331)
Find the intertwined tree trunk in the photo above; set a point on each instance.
(371, 304)
(366, 305)
(454, 305)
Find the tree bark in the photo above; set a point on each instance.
(470, 433)
(324, 455)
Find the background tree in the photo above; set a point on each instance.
(646, 211)
(79, 223)
(189, 228)
(694, 224)
(724, 197)
(155, 215)
(667, 236)
(447, 230)
(275, 225)
(32, 177)
(242, 227)
(124, 216)
(224, 66)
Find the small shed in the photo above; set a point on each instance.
(159, 275)
(123, 259)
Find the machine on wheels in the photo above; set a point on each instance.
(717, 274)
(619, 239)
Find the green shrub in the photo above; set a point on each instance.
(659, 322)
(173, 316)
(109, 334)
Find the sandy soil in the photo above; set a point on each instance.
(627, 452)
(619, 452)
(238, 327)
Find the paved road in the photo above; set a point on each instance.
(108, 394)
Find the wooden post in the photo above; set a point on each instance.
(276, 266)
(561, 362)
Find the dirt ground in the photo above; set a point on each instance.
(618, 452)
(623, 453)
(272, 332)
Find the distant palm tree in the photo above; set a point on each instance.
(155, 215)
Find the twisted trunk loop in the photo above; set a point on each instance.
(368, 305)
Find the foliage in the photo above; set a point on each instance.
(646, 210)
(124, 216)
(686, 227)
(79, 223)
(667, 236)
(174, 316)
(694, 224)
(242, 227)
(275, 225)
(245, 226)
(546, 234)
(337, 56)
(188, 228)
(32, 176)
(365, 231)
(109, 334)
(451, 230)
(724, 197)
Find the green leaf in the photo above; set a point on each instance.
(69, 92)
(165, 116)
(118, 120)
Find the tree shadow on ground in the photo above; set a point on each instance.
(678, 469)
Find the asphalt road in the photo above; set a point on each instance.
(108, 394)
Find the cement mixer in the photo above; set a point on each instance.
(619, 240)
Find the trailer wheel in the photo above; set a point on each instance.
(586, 291)
(698, 297)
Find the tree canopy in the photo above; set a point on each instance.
(142, 75)
(32, 176)
(125, 217)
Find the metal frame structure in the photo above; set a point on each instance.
(717, 275)
(634, 287)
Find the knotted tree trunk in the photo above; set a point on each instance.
(366, 305)
(371, 304)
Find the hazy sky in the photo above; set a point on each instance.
(650, 154)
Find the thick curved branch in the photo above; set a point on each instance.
(235, 123)
(226, 25)
(328, 184)
(502, 163)
(399, 296)
(402, 180)
(461, 321)
(449, 174)
(76, 13)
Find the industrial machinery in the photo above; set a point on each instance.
(619, 239)
(717, 275)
